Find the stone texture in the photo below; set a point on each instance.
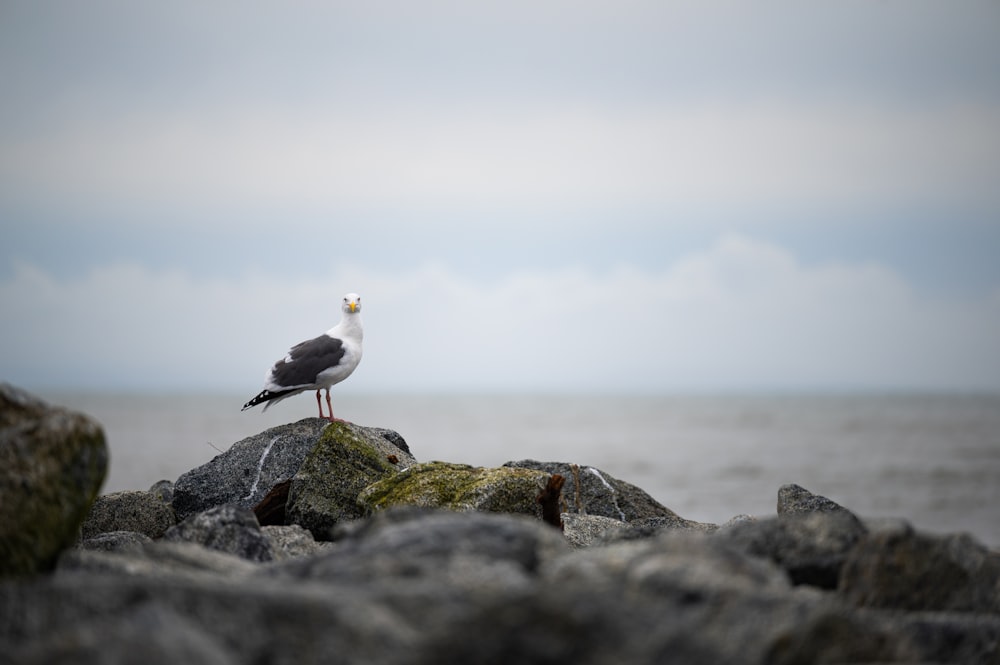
(458, 487)
(244, 474)
(229, 529)
(903, 569)
(52, 464)
(116, 541)
(345, 460)
(591, 491)
(289, 542)
(142, 512)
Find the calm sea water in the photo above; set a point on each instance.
(933, 460)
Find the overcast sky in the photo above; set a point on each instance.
(530, 196)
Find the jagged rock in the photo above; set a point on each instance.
(248, 470)
(586, 530)
(811, 548)
(810, 538)
(465, 550)
(459, 487)
(142, 512)
(796, 500)
(345, 460)
(591, 491)
(289, 542)
(229, 529)
(906, 570)
(52, 465)
(116, 541)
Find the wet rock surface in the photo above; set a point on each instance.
(414, 581)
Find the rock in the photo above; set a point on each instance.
(459, 487)
(116, 541)
(164, 489)
(796, 500)
(586, 530)
(157, 561)
(162, 635)
(812, 548)
(229, 529)
(142, 512)
(289, 542)
(906, 570)
(345, 460)
(248, 470)
(591, 491)
(464, 551)
(52, 465)
(218, 618)
(810, 538)
(679, 597)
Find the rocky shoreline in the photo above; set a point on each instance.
(331, 543)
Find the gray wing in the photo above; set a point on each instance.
(306, 360)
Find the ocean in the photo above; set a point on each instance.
(933, 460)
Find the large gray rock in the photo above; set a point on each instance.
(591, 491)
(905, 570)
(142, 512)
(458, 487)
(467, 550)
(245, 473)
(163, 636)
(52, 465)
(810, 538)
(218, 618)
(346, 459)
(229, 529)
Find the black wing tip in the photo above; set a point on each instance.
(264, 396)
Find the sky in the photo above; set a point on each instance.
(546, 196)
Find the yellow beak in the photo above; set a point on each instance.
(354, 306)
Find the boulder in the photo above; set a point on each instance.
(590, 491)
(459, 487)
(246, 472)
(142, 512)
(906, 570)
(586, 530)
(462, 551)
(156, 562)
(810, 539)
(346, 459)
(52, 464)
(115, 541)
(230, 529)
(289, 542)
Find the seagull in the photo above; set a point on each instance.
(318, 363)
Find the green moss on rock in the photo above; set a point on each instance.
(52, 465)
(458, 487)
(346, 459)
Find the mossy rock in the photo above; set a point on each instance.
(52, 464)
(346, 459)
(459, 487)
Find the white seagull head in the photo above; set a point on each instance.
(352, 303)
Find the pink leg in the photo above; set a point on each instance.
(319, 404)
(330, 407)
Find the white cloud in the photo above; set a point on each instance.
(742, 314)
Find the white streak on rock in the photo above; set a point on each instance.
(260, 467)
(611, 489)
